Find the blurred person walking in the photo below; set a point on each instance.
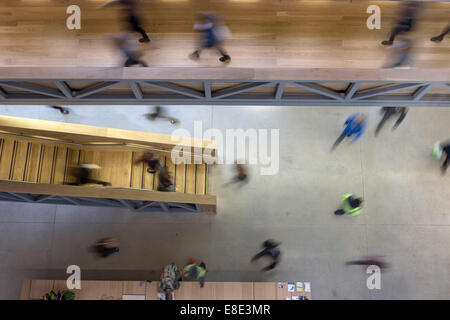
(406, 21)
(438, 151)
(165, 180)
(105, 247)
(61, 109)
(82, 174)
(241, 176)
(194, 272)
(148, 158)
(440, 37)
(214, 33)
(129, 47)
(159, 113)
(400, 55)
(131, 11)
(350, 205)
(388, 112)
(356, 125)
(369, 261)
(270, 248)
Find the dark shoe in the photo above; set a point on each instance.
(387, 43)
(339, 212)
(437, 39)
(225, 58)
(144, 40)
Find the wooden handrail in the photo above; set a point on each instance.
(104, 192)
(208, 73)
(69, 132)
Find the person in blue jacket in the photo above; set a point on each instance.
(355, 125)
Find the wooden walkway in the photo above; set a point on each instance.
(266, 33)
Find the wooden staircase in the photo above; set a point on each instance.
(43, 152)
(29, 160)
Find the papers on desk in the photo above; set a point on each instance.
(295, 298)
(133, 297)
(307, 286)
(291, 286)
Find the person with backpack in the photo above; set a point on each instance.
(350, 205)
(214, 33)
(438, 152)
(170, 280)
(356, 125)
(194, 272)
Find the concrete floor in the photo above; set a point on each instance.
(406, 215)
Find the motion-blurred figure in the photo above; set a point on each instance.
(440, 37)
(61, 109)
(241, 176)
(169, 281)
(400, 55)
(194, 272)
(409, 14)
(388, 112)
(369, 261)
(214, 33)
(270, 249)
(105, 247)
(165, 180)
(438, 151)
(159, 113)
(153, 163)
(83, 175)
(356, 124)
(131, 12)
(445, 149)
(350, 205)
(128, 45)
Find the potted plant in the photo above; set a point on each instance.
(60, 295)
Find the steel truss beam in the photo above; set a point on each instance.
(238, 92)
(153, 206)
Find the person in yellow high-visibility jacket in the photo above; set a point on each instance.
(350, 205)
(192, 271)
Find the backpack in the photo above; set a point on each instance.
(436, 152)
(169, 278)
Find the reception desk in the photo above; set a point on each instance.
(141, 290)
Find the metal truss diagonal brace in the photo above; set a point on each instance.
(174, 88)
(388, 89)
(32, 88)
(96, 89)
(239, 89)
(313, 87)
